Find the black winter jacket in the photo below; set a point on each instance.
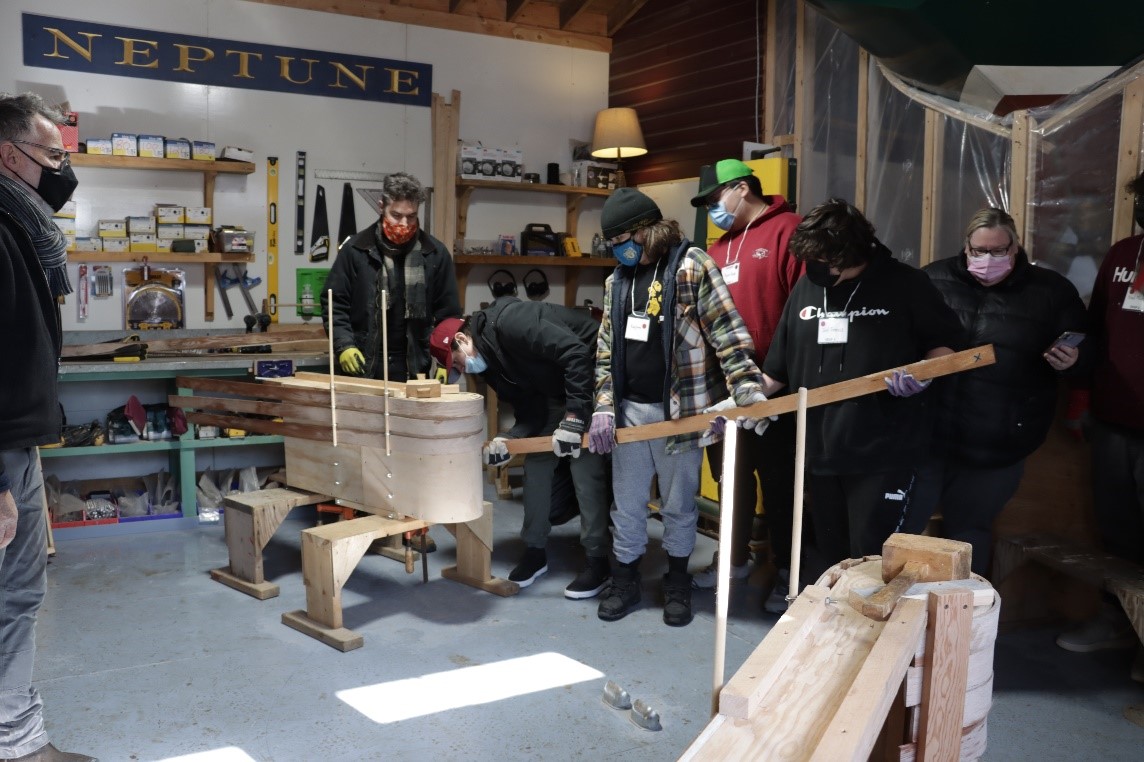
(998, 415)
(355, 320)
(538, 354)
(31, 335)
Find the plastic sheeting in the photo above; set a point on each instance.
(786, 14)
(829, 160)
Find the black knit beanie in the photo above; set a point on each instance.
(627, 209)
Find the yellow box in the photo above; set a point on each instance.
(163, 245)
(113, 228)
(171, 215)
(197, 232)
(66, 225)
(198, 215)
(141, 225)
(171, 231)
(99, 146)
(152, 146)
(124, 144)
(117, 244)
(202, 150)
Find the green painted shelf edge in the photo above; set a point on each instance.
(160, 446)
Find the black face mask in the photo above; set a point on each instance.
(819, 274)
(56, 186)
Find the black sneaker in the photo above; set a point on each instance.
(591, 581)
(532, 565)
(677, 599)
(622, 594)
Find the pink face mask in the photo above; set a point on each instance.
(989, 270)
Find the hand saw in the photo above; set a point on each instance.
(320, 230)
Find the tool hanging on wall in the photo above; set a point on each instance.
(153, 297)
(347, 223)
(83, 292)
(271, 237)
(320, 229)
(300, 206)
(103, 281)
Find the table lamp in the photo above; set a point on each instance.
(618, 136)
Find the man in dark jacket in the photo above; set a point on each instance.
(412, 267)
(540, 358)
(35, 180)
(990, 420)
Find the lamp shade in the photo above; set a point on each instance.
(618, 134)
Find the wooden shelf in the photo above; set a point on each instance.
(155, 258)
(210, 170)
(221, 166)
(509, 261)
(573, 195)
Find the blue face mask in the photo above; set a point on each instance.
(476, 364)
(628, 253)
(722, 218)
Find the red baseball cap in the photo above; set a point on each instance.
(441, 343)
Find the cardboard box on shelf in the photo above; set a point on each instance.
(178, 148)
(140, 225)
(477, 162)
(152, 146)
(595, 174)
(198, 215)
(113, 228)
(509, 164)
(237, 154)
(202, 150)
(99, 146)
(170, 215)
(117, 244)
(196, 232)
(124, 144)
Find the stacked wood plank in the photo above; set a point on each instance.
(828, 683)
(363, 442)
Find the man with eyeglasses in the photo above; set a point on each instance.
(35, 180)
(989, 421)
(759, 272)
(398, 256)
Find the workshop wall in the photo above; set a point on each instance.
(514, 94)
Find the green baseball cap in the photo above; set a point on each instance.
(725, 171)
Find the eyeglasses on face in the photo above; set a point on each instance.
(997, 253)
(54, 154)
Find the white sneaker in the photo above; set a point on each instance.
(776, 602)
(1108, 630)
(706, 579)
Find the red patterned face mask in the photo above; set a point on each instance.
(398, 233)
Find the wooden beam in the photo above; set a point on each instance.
(978, 357)
(931, 184)
(1019, 172)
(946, 670)
(800, 84)
(570, 9)
(458, 22)
(770, 66)
(863, 120)
(513, 8)
(446, 132)
(620, 13)
(1128, 160)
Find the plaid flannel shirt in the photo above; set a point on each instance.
(710, 352)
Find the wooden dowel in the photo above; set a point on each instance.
(333, 360)
(385, 361)
(723, 569)
(799, 485)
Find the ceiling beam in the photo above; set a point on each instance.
(570, 9)
(458, 22)
(620, 13)
(513, 8)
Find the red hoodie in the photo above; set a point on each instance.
(767, 271)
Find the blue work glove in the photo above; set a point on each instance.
(903, 384)
(602, 433)
(567, 437)
(495, 452)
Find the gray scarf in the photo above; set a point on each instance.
(49, 242)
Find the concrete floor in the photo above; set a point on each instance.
(142, 657)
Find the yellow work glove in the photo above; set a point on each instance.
(352, 361)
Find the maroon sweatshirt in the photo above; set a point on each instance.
(767, 271)
(1118, 376)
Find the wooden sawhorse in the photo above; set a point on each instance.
(331, 552)
(250, 519)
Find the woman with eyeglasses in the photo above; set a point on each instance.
(991, 419)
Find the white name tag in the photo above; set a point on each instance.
(731, 274)
(833, 330)
(637, 328)
(1134, 301)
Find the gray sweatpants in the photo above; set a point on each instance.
(633, 466)
(23, 581)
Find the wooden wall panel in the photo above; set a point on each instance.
(688, 67)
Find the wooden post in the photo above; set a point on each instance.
(931, 184)
(800, 85)
(723, 570)
(474, 552)
(1128, 162)
(1019, 172)
(948, 633)
(770, 65)
(446, 125)
(863, 136)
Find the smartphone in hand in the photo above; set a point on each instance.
(1068, 339)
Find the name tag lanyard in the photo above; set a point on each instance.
(1133, 298)
(639, 325)
(730, 270)
(835, 329)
